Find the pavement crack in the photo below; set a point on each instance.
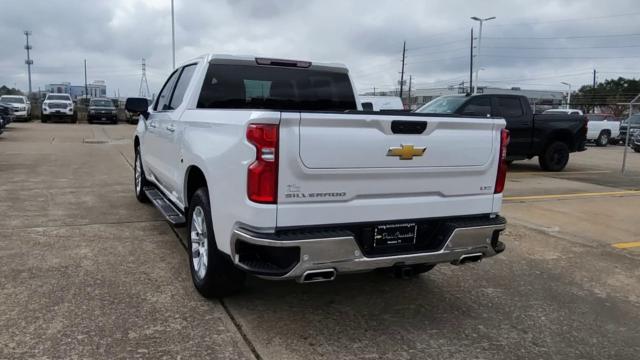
(125, 159)
(240, 329)
(81, 225)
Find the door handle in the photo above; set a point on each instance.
(170, 128)
(152, 124)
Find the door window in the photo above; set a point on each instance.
(162, 104)
(181, 86)
(478, 106)
(510, 107)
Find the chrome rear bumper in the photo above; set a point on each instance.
(342, 253)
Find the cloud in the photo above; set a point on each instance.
(523, 47)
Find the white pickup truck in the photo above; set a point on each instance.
(277, 172)
(603, 129)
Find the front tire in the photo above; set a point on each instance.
(603, 139)
(636, 149)
(212, 271)
(44, 119)
(139, 180)
(554, 157)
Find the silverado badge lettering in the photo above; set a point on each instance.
(406, 152)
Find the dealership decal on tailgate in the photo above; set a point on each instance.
(394, 234)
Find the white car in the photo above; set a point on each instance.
(20, 104)
(564, 111)
(276, 172)
(377, 103)
(58, 106)
(602, 129)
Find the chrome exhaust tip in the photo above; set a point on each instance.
(467, 258)
(318, 275)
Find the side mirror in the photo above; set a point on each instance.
(367, 106)
(137, 105)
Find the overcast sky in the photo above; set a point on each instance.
(532, 44)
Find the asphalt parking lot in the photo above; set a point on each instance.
(88, 272)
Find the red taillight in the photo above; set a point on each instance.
(502, 165)
(262, 175)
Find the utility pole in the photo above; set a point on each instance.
(409, 100)
(404, 48)
(173, 37)
(29, 62)
(471, 63)
(374, 91)
(593, 91)
(86, 86)
(481, 21)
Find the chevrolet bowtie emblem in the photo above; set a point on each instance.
(406, 152)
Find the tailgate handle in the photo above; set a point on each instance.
(408, 127)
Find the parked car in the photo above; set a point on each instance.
(132, 118)
(21, 106)
(102, 110)
(549, 136)
(276, 172)
(603, 129)
(635, 144)
(632, 123)
(564, 111)
(58, 106)
(6, 116)
(378, 103)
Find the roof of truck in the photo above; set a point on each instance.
(214, 56)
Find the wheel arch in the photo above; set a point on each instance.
(194, 178)
(562, 135)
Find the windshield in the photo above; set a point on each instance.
(12, 100)
(278, 88)
(635, 120)
(101, 103)
(443, 105)
(59, 97)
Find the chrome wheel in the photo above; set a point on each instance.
(138, 175)
(199, 242)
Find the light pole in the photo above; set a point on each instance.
(173, 37)
(477, 66)
(568, 94)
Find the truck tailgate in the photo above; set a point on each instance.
(344, 168)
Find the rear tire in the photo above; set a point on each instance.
(603, 139)
(554, 157)
(212, 271)
(139, 180)
(636, 149)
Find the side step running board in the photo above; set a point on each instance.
(168, 210)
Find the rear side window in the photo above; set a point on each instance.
(479, 106)
(276, 88)
(510, 107)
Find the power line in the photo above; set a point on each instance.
(558, 57)
(437, 45)
(560, 47)
(571, 19)
(560, 37)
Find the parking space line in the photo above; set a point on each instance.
(627, 245)
(572, 196)
(559, 173)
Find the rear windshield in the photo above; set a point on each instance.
(442, 105)
(276, 88)
(58, 97)
(12, 99)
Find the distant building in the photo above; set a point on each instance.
(540, 99)
(97, 88)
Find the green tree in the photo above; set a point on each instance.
(4, 90)
(607, 95)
